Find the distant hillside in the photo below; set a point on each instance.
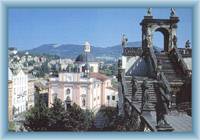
(72, 50)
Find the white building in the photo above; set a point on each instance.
(31, 91)
(20, 90)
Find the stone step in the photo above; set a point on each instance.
(166, 61)
(167, 66)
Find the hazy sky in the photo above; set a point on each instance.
(102, 27)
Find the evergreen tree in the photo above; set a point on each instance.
(57, 118)
(37, 118)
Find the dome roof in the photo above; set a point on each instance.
(82, 58)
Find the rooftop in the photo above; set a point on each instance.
(99, 76)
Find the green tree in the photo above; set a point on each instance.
(114, 121)
(81, 120)
(37, 118)
(57, 118)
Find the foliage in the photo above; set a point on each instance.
(37, 118)
(109, 69)
(31, 62)
(115, 122)
(57, 118)
(44, 67)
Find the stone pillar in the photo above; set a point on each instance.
(172, 33)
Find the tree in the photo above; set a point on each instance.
(37, 118)
(57, 118)
(81, 120)
(114, 121)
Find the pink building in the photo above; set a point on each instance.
(89, 93)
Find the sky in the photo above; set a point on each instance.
(102, 27)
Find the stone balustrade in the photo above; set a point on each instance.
(132, 51)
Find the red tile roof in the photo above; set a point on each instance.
(99, 76)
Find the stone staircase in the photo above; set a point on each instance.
(137, 100)
(171, 70)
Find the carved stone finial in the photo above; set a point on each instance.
(149, 12)
(187, 44)
(173, 12)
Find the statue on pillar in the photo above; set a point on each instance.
(149, 12)
(161, 112)
(134, 86)
(124, 40)
(148, 37)
(175, 41)
(145, 97)
(173, 12)
(187, 44)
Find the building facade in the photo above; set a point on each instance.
(10, 103)
(31, 93)
(89, 93)
(20, 90)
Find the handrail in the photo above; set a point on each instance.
(181, 62)
(153, 57)
(166, 87)
(124, 86)
(165, 83)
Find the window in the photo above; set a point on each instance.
(113, 97)
(83, 69)
(108, 97)
(91, 69)
(68, 91)
(68, 98)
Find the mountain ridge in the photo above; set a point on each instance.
(73, 50)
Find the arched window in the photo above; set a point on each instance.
(68, 91)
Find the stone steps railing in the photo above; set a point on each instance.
(176, 54)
